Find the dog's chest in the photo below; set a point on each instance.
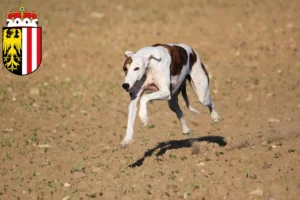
(150, 87)
(150, 84)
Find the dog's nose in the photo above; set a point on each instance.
(125, 86)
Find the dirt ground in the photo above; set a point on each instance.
(61, 127)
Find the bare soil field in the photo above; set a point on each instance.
(61, 126)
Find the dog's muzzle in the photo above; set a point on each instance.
(126, 86)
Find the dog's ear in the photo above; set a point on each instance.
(128, 54)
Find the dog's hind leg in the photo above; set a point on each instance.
(173, 105)
(186, 100)
(200, 83)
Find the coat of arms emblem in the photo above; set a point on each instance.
(22, 42)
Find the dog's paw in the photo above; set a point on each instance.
(186, 131)
(144, 118)
(194, 110)
(125, 143)
(145, 121)
(215, 116)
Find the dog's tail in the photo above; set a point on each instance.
(186, 100)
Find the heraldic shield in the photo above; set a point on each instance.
(22, 49)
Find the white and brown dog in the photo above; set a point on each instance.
(159, 72)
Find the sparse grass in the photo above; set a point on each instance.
(3, 109)
(194, 186)
(34, 173)
(82, 146)
(76, 167)
(255, 81)
(33, 139)
(245, 170)
(232, 80)
(207, 159)
(269, 141)
(52, 186)
(186, 195)
(7, 156)
(277, 155)
(46, 149)
(219, 153)
(36, 185)
(9, 141)
(66, 83)
(183, 158)
(71, 194)
(194, 172)
(291, 150)
(286, 182)
(4, 186)
(279, 143)
(172, 156)
(254, 177)
(253, 68)
(96, 99)
(2, 95)
(133, 188)
(173, 174)
(66, 103)
(20, 178)
(150, 126)
(93, 195)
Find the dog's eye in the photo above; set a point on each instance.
(137, 68)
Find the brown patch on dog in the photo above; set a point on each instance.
(203, 67)
(126, 65)
(193, 58)
(178, 55)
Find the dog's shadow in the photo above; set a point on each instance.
(177, 144)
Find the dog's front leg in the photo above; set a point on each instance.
(162, 94)
(132, 108)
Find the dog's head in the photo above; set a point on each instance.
(134, 67)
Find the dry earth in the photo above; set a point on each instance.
(61, 126)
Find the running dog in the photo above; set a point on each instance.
(159, 72)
